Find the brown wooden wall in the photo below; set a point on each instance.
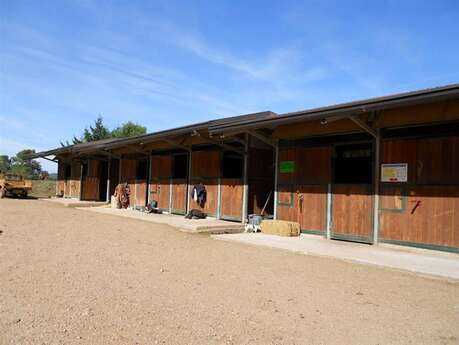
(60, 182)
(128, 170)
(403, 116)
(419, 114)
(60, 187)
(205, 168)
(137, 187)
(302, 195)
(425, 210)
(72, 185)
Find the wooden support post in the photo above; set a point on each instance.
(107, 198)
(170, 195)
(276, 172)
(219, 197)
(81, 180)
(149, 179)
(329, 211)
(147, 187)
(245, 196)
(376, 187)
(188, 191)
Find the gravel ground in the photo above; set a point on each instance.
(75, 277)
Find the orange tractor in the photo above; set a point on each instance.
(14, 185)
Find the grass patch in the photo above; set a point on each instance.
(43, 188)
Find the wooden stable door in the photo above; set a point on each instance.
(352, 193)
(302, 190)
(232, 191)
(179, 195)
(424, 210)
(205, 169)
(160, 181)
(352, 209)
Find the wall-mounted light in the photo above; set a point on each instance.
(323, 121)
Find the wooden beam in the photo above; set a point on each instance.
(364, 126)
(262, 138)
(176, 144)
(233, 138)
(136, 149)
(95, 158)
(111, 154)
(224, 146)
(51, 160)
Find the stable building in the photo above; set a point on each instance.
(384, 169)
(164, 166)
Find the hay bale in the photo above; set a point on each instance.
(280, 227)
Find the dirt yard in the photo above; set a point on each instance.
(76, 277)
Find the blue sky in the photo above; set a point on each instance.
(166, 63)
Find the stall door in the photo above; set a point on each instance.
(160, 181)
(231, 199)
(179, 183)
(179, 194)
(424, 210)
(303, 192)
(352, 202)
(232, 186)
(205, 169)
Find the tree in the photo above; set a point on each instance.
(21, 164)
(75, 141)
(98, 132)
(128, 129)
(5, 163)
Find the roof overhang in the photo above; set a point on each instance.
(106, 145)
(347, 109)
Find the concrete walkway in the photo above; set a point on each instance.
(209, 225)
(74, 202)
(444, 265)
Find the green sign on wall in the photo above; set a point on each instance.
(287, 167)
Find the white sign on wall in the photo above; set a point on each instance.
(394, 172)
